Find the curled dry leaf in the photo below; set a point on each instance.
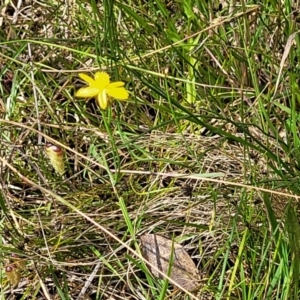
(158, 251)
(56, 156)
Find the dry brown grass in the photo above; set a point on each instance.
(131, 171)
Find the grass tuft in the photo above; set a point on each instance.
(205, 151)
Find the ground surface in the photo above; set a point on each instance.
(205, 152)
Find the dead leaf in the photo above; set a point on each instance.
(158, 251)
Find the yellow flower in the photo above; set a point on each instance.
(101, 88)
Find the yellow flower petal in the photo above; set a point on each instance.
(87, 78)
(118, 93)
(115, 84)
(102, 80)
(87, 92)
(102, 100)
